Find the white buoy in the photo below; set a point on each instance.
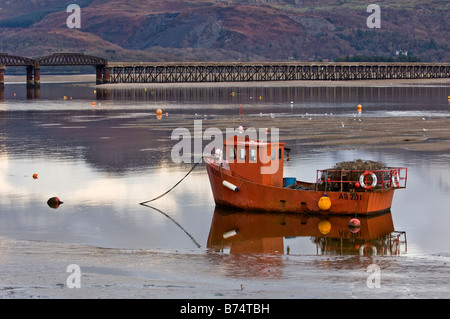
(227, 184)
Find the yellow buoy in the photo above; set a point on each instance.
(324, 227)
(324, 202)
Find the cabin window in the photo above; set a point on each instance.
(232, 153)
(274, 153)
(242, 154)
(252, 155)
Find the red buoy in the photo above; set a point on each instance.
(354, 225)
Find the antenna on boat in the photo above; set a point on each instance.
(241, 111)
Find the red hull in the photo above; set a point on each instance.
(259, 197)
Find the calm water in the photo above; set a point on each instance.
(103, 160)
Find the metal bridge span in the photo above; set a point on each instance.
(119, 72)
(164, 72)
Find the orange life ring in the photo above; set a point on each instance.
(362, 182)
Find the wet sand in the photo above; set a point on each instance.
(417, 133)
(31, 269)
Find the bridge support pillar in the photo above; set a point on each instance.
(30, 82)
(99, 74)
(37, 76)
(107, 74)
(2, 76)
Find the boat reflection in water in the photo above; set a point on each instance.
(251, 232)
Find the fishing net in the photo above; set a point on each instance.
(343, 175)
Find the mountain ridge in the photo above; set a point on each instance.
(234, 30)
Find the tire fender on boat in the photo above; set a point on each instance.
(362, 177)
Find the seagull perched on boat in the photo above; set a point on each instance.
(342, 124)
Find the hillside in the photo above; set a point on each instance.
(224, 30)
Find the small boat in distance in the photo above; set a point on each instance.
(248, 174)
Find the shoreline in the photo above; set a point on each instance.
(44, 270)
(89, 79)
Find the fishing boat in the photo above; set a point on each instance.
(248, 174)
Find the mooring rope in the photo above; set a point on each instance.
(175, 222)
(151, 200)
(165, 193)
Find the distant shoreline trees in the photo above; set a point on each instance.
(378, 58)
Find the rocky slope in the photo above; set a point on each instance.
(207, 30)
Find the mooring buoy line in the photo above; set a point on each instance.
(165, 193)
(158, 197)
(175, 222)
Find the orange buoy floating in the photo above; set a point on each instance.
(324, 202)
(159, 112)
(93, 103)
(359, 108)
(35, 176)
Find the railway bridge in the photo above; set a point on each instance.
(119, 72)
(33, 65)
(176, 72)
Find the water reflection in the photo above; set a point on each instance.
(253, 232)
(255, 97)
